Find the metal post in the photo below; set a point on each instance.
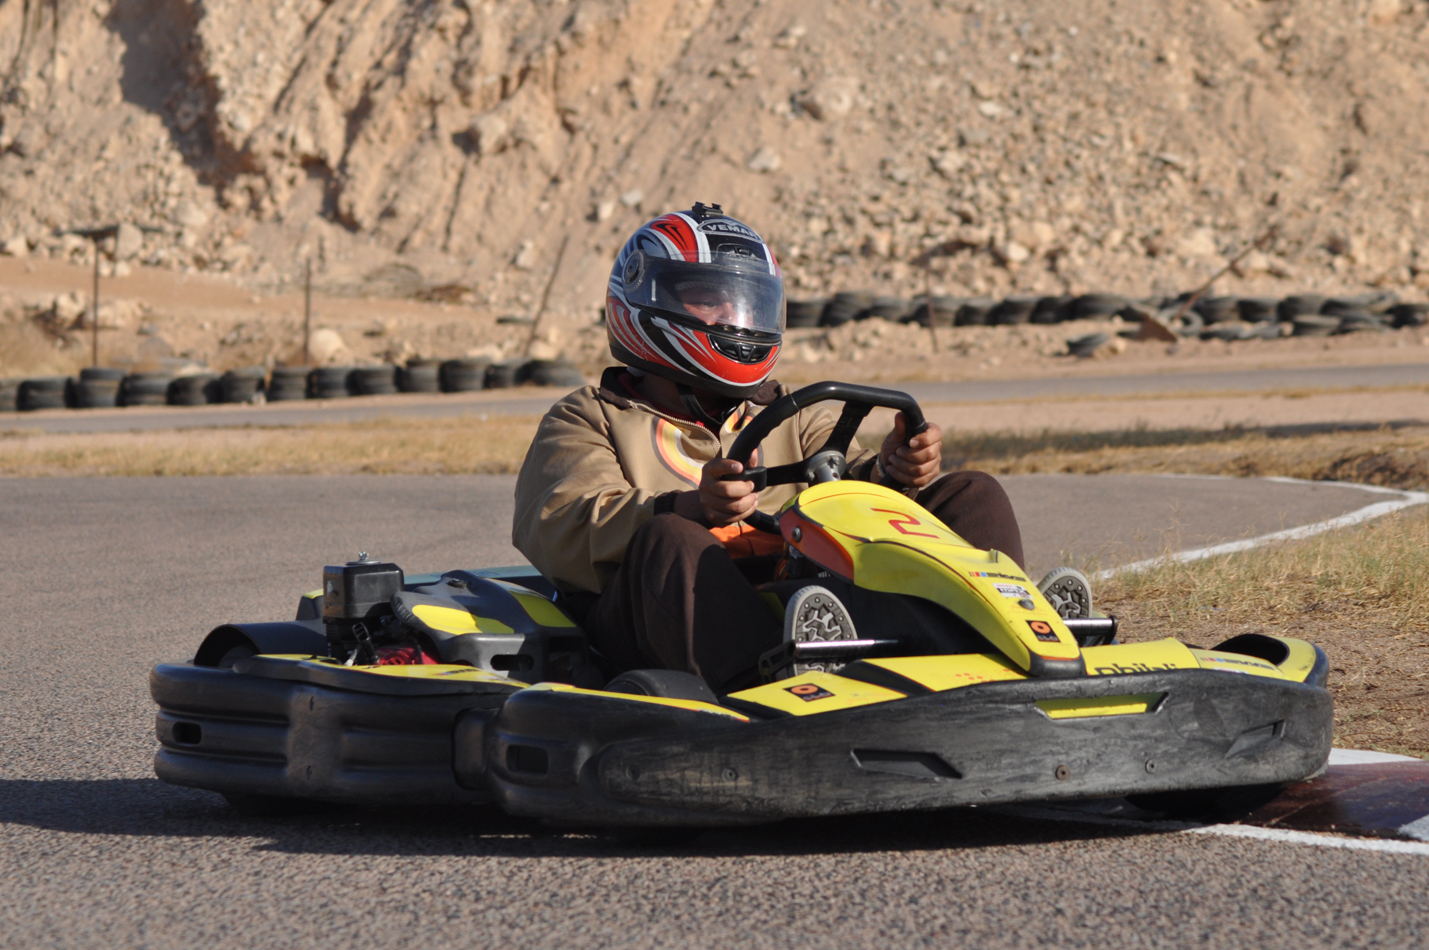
(94, 309)
(545, 296)
(307, 307)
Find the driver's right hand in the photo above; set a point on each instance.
(718, 503)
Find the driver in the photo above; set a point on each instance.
(621, 503)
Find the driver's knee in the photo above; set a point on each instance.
(668, 538)
(976, 506)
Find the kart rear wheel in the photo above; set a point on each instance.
(233, 654)
(667, 684)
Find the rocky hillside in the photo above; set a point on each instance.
(446, 148)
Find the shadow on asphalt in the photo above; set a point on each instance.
(149, 808)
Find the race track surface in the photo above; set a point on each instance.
(104, 577)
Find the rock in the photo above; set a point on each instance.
(830, 99)
(541, 350)
(69, 307)
(327, 347)
(632, 198)
(17, 246)
(765, 160)
(1012, 253)
(947, 163)
(992, 110)
(604, 210)
(973, 137)
(790, 37)
(525, 258)
(128, 242)
(1200, 242)
(490, 133)
(1381, 12)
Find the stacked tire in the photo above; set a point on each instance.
(421, 376)
(505, 374)
(329, 382)
(465, 375)
(288, 383)
(196, 389)
(146, 389)
(558, 373)
(42, 392)
(243, 385)
(98, 387)
(373, 380)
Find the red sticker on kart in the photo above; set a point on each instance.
(1042, 630)
(808, 692)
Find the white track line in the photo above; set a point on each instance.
(1406, 499)
(1280, 835)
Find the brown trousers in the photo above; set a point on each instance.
(678, 601)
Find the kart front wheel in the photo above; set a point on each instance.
(668, 684)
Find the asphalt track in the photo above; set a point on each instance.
(103, 577)
(537, 401)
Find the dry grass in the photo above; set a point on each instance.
(1397, 458)
(451, 445)
(1362, 595)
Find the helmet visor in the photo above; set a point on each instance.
(710, 294)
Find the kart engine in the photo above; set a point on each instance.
(357, 608)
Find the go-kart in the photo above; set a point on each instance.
(475, 686)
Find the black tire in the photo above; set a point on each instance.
(330, 382)
(844, 306)
(233, 654)
(464, 376)
(1409, 315)
(1089, 306)
(1215, 804)
(892, 309)
(975, 312)
(1215, 310)
(505, 374)
(1258, 309)
(421, 376)
(1087, 345)
(237, 386)
(668, 684)
(805, 313)
(1299, 305)
(44, 392)
(96, 394)
(146, 389)
(288, 383)
(373, 380)
(1315, 325)
(1050, 310)
(1361, 321)
(560, 373)
(101, 372)
(199, 389)
(1013, 310)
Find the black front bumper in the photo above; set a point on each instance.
(976, 745)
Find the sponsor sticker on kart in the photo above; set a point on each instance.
(808, 692)
(1042, 630)
(1005, 577)
(1013, 591)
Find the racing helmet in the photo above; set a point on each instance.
(697, 297)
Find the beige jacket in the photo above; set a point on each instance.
(604, 462)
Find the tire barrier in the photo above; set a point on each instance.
(44, 392)
(1226, 317)
(243, 385)
(329, 382)
(420, 376)
(373, 380)
(288, 383)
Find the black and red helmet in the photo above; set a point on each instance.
(696, 297)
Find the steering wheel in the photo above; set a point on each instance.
(829, 463)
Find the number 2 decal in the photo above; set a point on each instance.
(903, 519)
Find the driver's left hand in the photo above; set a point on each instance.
(913, 462)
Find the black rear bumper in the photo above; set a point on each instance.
(977, 745)
(258, 735)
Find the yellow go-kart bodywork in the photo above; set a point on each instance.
(1033, 716)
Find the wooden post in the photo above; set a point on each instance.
(307, 308)
(546, 295)
(94, 309)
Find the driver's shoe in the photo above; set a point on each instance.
(1068, 591)
(815, 613)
